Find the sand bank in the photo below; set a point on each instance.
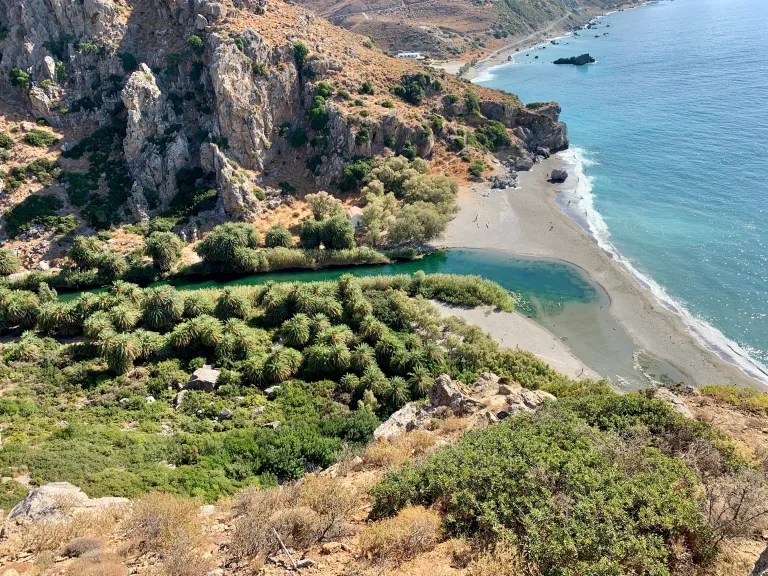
(513, 330)
(528, 222)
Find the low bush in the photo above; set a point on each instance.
(40, 138)
(547, 482)
(747, 399)
(32, 210)
(6, 142)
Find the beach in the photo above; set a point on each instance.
(527, 221)
(513, 330)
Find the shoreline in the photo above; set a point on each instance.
(553, 31)
(528, 221)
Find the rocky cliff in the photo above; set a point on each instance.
(181, 96)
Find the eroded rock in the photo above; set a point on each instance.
(57, 501)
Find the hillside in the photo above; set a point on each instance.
(457, 29)
(119, 112)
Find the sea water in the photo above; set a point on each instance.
(669, 155)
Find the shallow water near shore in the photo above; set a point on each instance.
(668, 155)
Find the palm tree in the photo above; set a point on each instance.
(206, 331)
(363, 356)
(163, 307)
(9, 263)
(128, 290)
(331, 307)
(252, 369)
(319, 360)
(231, 304)
(341, 357)
(197, 303)
(281, 365)
(164, 248)
(21, 308)
(349, 383)
(86, 304)
(124, 317)
(395, 393)
(372, 329)
(420, 381)
(150, 343)
(296, 331)
(373, 379)
(56, 318)
(318, 324)
(340, 334)
(97, 325)
(120, 351)
(357, 307)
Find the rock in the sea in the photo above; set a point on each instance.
(576, 60)
(558, 175)
(204, 378)
(55, 501)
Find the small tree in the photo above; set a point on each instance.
(324, 205)
(164, 248)
(195, 44)
(300, 52)
(278, 236)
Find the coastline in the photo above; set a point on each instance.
(527, 221)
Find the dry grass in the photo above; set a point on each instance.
(413, 531)
(41, 537)
(454, 424)
(81, 546)
(388, 453)
(103, 568)
(302, 514)
(160, 521)
(505, 560)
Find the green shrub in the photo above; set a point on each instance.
(20, 78)
(40, 138)
(195, 44)
(472, 102)
(129, 62)
(547, 483)
(298, 137)
(477, 168)
(9, 262)
(300, 53)
(260, 68)
(6, 142)
(278, 236)
(367, 88)
(354, 174)
(32, 210)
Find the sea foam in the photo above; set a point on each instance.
(576, 199)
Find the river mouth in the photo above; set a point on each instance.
(557, 295)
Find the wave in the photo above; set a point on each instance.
(577, 201)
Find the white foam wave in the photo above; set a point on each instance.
(590, 218)
(486, 74)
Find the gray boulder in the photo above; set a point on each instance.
(204, 378)
(56, 501)
(558, 175)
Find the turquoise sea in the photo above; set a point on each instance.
(669, 157)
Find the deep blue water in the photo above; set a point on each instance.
(669, 135)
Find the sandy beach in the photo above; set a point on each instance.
(513, 330)
(527, 222)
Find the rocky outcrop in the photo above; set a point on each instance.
(236, 197)
(57, 501)
(533, 128)
(675, 401)
(488, 401)
(576, 60)
(153, 150)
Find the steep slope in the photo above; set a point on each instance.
(170, 108)
(455, 28)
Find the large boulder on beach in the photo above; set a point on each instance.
(558, 175)
(576, 60)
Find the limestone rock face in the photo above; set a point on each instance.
(487, 402)
(236, 198)
(57, 500)
(248, 106)
(153, 156)
(537, 129)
